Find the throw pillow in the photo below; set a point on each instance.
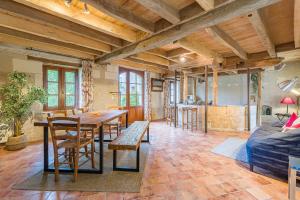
(291, 120)
(296, 123)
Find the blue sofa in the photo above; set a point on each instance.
(269, 148)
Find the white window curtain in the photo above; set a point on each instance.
(147, 101)
(87, 84)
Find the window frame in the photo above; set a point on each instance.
(61, 86)
(127, 71)
(172, 92)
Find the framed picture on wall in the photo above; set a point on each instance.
(156, 85)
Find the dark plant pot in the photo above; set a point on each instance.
(16, 143)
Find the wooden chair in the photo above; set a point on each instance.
(86, 132)
(190, 112)
(171, 115)
(71, 140)
(113, 125)
(58, 113)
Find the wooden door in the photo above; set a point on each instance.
(131, 90)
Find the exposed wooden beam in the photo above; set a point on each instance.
(215, 86)
(226, 40)
(51, 61)
(158, 52)
(75, 14)
(206, 4)
(139, 66)
(33, 27)
(33, 38)
(213, 17)
(297, 23)
(151, 58)
(51, 48)
(261, 30)
(200, 49)
(121, 14)
(37, 15)
(147, 63)
(162, 9)
(177, 52)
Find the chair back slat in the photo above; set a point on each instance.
(58, 113)
(66, 124)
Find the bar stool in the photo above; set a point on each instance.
(294, 167)
(171, 115)
(193, 112)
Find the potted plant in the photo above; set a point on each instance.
(17, 96)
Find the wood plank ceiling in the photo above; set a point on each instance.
(158, 35)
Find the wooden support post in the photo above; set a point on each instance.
(185, 86)
(175, 99)
(259, 92)
(206, 98)
(215, 87)
(181, 88)
(195, 89)
(248, 99)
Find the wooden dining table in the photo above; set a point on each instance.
(93, 120)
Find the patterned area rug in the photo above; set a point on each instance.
(234, 148)
(109, 181)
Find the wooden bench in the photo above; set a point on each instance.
(130, 139)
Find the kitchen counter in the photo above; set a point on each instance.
(222, 118)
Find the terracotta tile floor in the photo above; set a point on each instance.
(180, 166)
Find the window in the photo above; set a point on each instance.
(130, 88)
(172, 92)
(123, 88)
(61, 85)
(136, 91)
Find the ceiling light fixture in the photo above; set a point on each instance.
(182, 59)
(68, 3)
(86, 9)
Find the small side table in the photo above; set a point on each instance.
(282, 116)
(294, 167)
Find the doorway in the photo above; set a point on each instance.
(131, 93)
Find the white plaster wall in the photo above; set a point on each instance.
(271, 94)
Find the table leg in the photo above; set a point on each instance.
(101, 149)
(46, 151)
(127, 120)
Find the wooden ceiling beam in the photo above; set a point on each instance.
(226, 40)
(33, 27)
(297, 23)
(75, 15)
(46, 47)
(200, 49)
(261, 30)
(43, 17)
(213, 17)
(251, 64)
(162, 9)
(121, 14)
(151, 58)
(146, 63)
(139, 66)
(206, 4)
(177, 52)
(31, 37)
